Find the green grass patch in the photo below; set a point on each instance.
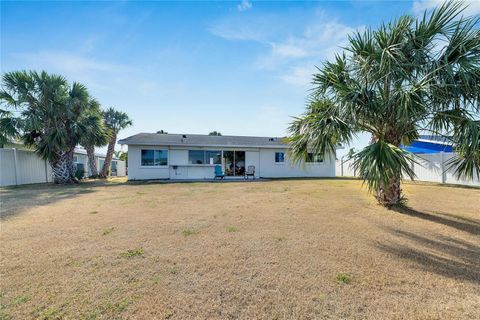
(279, 239)
(232, 229)
(189, 232)
(52, 314)
(132, 253)
(343, 278)
(19, 300)
(93, 212)
(174, 270)
(108, 231)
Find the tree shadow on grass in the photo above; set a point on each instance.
(451, 220)
(443, 255)
(17, 199)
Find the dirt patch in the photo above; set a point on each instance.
(310, 249)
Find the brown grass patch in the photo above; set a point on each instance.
(287, 249)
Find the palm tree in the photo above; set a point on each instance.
(51, 114)
(95, 134)
(10, 126)
(407, 77)
(115, 121)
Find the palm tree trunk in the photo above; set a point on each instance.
(61, 169)
(92, 164)
(71, 165)
(108, 157)
(391, 194)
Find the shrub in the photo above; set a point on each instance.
(232, 229)
(132, 253)
(343, 278)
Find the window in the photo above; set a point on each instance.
(213, 157)
(279, 157)
(204, 157)
(196, 156)
(311, 157)
(154, 157)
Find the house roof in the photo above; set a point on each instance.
(202, 140)
(424, 146)
(82, 151)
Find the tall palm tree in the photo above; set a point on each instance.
(95, 134)
(407, 77)
(115, 121)
(51, 114)
(10, 126)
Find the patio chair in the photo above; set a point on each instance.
(250, 172)
(219, 173)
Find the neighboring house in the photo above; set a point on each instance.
(117, 166)
(21, 165)
(194, 156)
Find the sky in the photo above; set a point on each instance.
(238, 67)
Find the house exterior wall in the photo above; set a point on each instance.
(262, 158)
(252, 158)
(138, 172)
(288, 169)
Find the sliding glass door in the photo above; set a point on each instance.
(234, 162)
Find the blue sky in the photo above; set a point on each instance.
(239, 67)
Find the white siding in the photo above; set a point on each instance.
(137, 172)
(262, 159)
(252, 158)
(270, 169)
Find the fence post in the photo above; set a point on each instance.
(46, 172)
(15, 165)
(442, 167)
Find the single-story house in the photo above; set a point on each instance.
(195, 156)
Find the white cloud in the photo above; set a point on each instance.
(419, 6)
(290, 53)
(244, 5)
(245, 27)
(299, 75)
(68, 62)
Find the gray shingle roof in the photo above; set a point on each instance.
(200, 140)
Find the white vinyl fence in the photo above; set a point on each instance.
(25, 167)
(22, 167)
(430, 167)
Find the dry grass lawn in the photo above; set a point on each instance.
(289, 249)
